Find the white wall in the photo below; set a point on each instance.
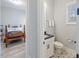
(64, 32)
(32, 29)
(50, 15)
(0, 27)
(13, 16)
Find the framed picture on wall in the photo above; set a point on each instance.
(77, 11)
(71, 13)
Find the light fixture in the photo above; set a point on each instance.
(17, 2)
(45, 5)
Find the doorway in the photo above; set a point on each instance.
(13, 20)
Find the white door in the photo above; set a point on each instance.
(0, 40)
(45, 47)
(77, 36)
(0, 46)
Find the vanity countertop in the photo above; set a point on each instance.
(48, 36)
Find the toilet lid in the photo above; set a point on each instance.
(59, 44)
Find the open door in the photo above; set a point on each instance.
(77, 35)
(46, 28)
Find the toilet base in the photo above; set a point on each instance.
(59, 50)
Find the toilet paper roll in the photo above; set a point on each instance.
(70, 40)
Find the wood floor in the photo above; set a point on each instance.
(17, 50)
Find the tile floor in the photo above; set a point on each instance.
(67, 53)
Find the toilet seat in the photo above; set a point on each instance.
(59, 47)
(58, 44)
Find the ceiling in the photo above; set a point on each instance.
(50, 2)
(7, 3)
(78, 1)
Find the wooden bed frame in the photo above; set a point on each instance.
(15, 36)
(1, 31)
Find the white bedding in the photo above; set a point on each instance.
(15, 29)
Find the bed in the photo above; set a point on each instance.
(14, 33)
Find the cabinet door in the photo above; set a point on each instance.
(44, 49)
(48, 47)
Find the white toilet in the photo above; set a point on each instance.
(59, 47)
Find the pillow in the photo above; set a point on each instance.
(14, 29)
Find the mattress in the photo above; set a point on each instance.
(14, 34)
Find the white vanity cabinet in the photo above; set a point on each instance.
(48, 47)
